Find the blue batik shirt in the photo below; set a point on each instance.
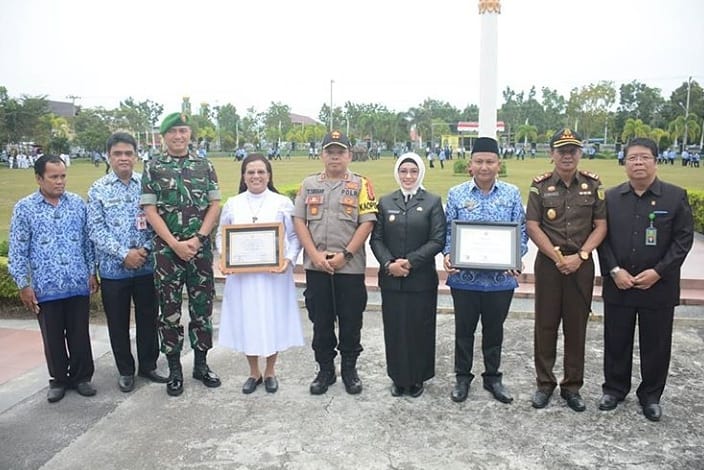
(49, 247)
(113, 212)
(502, 203)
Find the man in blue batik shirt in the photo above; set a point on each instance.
(118, 229)
(482, 294)
(53, 265)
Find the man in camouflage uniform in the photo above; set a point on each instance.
(334, 214)
(566, 219)
(180, 197)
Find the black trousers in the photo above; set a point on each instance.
(654, 340)
(118, 294)
(492, 309)
(64, 327)
(341, 297)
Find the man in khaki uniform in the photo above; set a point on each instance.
(334, 214)
(566, 219)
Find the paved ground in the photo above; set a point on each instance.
(223, 429)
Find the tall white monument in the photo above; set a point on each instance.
(488, 57)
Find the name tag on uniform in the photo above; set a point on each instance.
(141, 221)
(651, 236)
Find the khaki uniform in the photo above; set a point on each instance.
(332, 210)
(566, 215)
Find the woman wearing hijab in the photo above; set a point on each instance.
(409, 232)
(260, 314)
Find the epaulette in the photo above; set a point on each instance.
(541, 178)
(589, 174)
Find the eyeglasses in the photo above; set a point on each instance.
(643, 157)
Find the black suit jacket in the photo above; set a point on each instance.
(624, 245)
(416, 232)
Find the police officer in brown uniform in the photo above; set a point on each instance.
(566, 219)
(334, 213)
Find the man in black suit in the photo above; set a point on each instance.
(650, 232)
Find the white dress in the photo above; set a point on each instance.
(260, 314)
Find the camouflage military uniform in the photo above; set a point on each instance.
(182, 190)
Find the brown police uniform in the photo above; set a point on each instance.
(332, 210)
(566, 215)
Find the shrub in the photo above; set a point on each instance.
(460, 167)
(696, 200)
(4, 248)
(289, 191)
(8, 288)
(503, 171)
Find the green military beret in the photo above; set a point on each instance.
(173, 119)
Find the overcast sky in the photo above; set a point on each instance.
(397, 53)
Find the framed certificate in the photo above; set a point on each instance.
(494, 246)
(250, 248)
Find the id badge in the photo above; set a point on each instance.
(651, 236)
(141, 221)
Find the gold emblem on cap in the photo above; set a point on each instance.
(335, 134)
(567, 134)
(585, 186)
(184, 118)
(552, 214)
(392, 218)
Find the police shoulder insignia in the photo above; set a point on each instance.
(589, 174)
(541, 178)
(535, 190)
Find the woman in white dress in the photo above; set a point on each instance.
(260, 314)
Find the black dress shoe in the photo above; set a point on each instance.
(608, 402)
(499, 392)
(461, 390)
(652, 411)
(415, 390)
(86, 389)
(126, 383)
(207, 376)
(541, 399)
(574, 400)
(271, 384)
(154, 376)
(396, 391)
(55, 393)
(250, 385)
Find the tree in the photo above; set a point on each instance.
(229, 122)
(554, 107)
(677, 128)
(588, 107)
(93, 127)
(635, 128)
(527, 132)
(277, 121)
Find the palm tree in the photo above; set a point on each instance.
(677, 128)
(527, 132)
(634, 128)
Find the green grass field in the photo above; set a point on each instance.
(15, 184)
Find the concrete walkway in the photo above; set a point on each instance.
(224, 429)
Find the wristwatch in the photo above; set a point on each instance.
(348, 256)
(584, 255)
(202, 238)
(614, 270)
